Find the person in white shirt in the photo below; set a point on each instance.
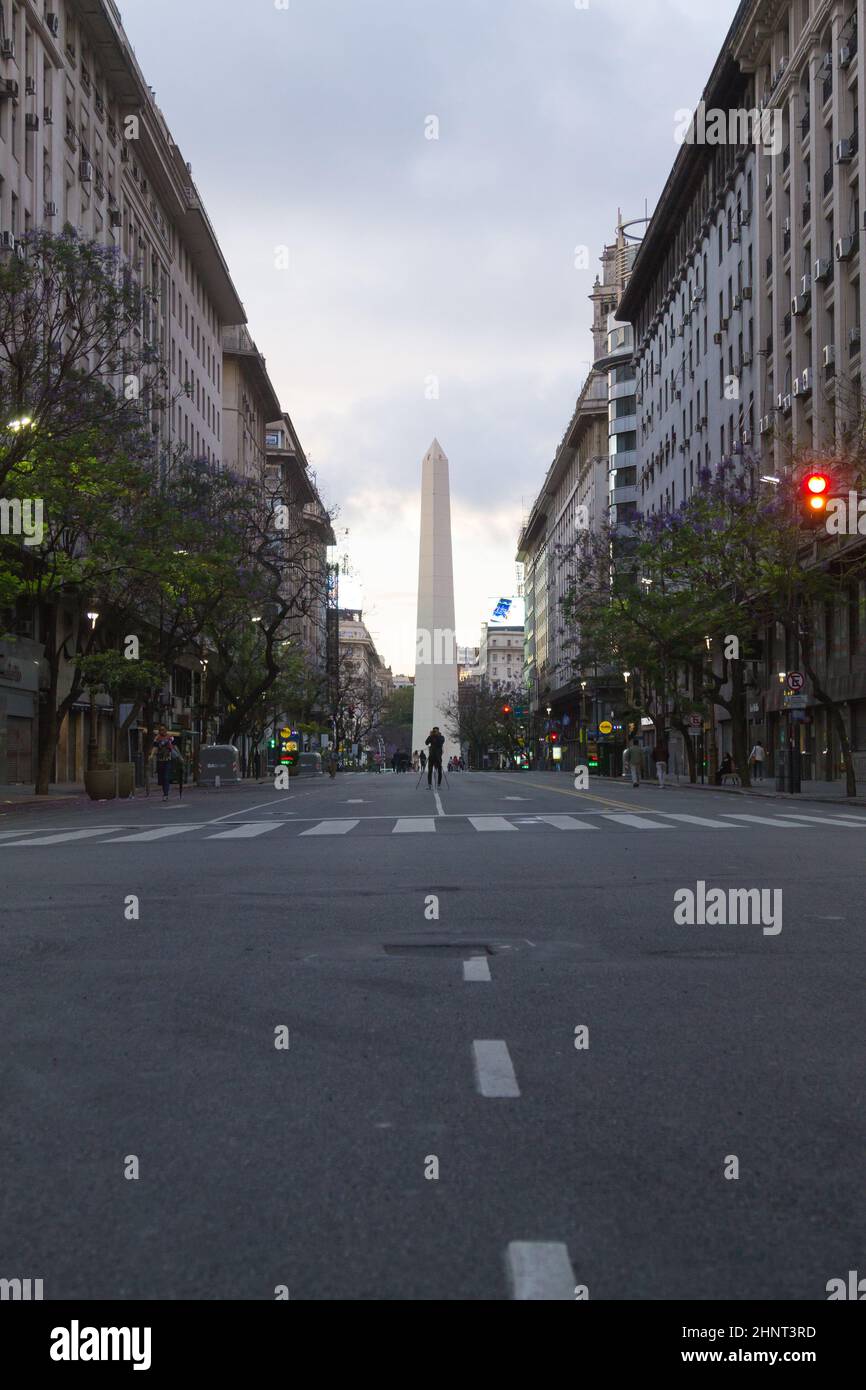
(756, 758)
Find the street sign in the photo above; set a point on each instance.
(794, 699)
(695, 721)
(694, 732)
(605, 727)
(796, 680)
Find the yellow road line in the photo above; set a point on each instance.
(584, 796)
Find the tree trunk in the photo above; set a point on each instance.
(739, 723)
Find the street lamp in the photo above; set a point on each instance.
(93, 620)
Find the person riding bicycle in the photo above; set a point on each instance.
(436, 743)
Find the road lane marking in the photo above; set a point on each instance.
(68, 835)
(825, 820)
(247, 831)
(164, 833)
(424, 825)
(637, 822)
(476, 969)
(491, 823)
(440, 810)
(566, 823)
(331, 827)
(581, 796)
(539, 1271)
(765, 820)
(494, 1073)
(695, 820)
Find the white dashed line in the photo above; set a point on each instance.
(539, 1271)
(494, 1073)
(476, 969)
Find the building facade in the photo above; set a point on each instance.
(591, 481)
(746, 302)
(83, 142)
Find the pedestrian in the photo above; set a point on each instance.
(631, 762)
(436, 743)
(461, 764)
(726, 769)
(756, 758)
(257, 764)
(660, 758)
(423, 759)
(165, 754)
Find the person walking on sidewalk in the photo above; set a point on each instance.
(756, 758)
(435, 742)
(631, 762)
(660, 758)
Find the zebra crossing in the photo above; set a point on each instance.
(510, 823)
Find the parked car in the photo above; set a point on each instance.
(218, 760)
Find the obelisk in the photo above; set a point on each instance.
(436, 644)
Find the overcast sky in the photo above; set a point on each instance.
(411, 258)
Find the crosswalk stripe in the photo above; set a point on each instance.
(421, 825)
(491, 823)
(636, 822)
(245, 832)
(566, 823)
(765, 820)
(697, 820)
(825, 820)
(165, 832)
(331, 827)
(62, 838)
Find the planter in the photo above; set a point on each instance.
(99, 783)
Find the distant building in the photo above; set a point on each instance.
(500, 655)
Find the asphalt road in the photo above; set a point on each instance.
(147, 1029)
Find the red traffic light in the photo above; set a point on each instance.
(815, 488)
(506, 709)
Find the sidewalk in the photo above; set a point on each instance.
(830, 792)
(17, 797)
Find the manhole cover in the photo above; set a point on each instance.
(437, 948)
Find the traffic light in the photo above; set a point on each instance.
(554, 737)
(815, 491)
(506, 709)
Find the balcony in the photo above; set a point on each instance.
(828, 181)
(827, 88)
(787, 325)
(786, 157)
(769, 266)
(806, 124)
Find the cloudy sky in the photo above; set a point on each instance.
(412, 259)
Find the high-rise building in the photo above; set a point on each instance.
(747, 300)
